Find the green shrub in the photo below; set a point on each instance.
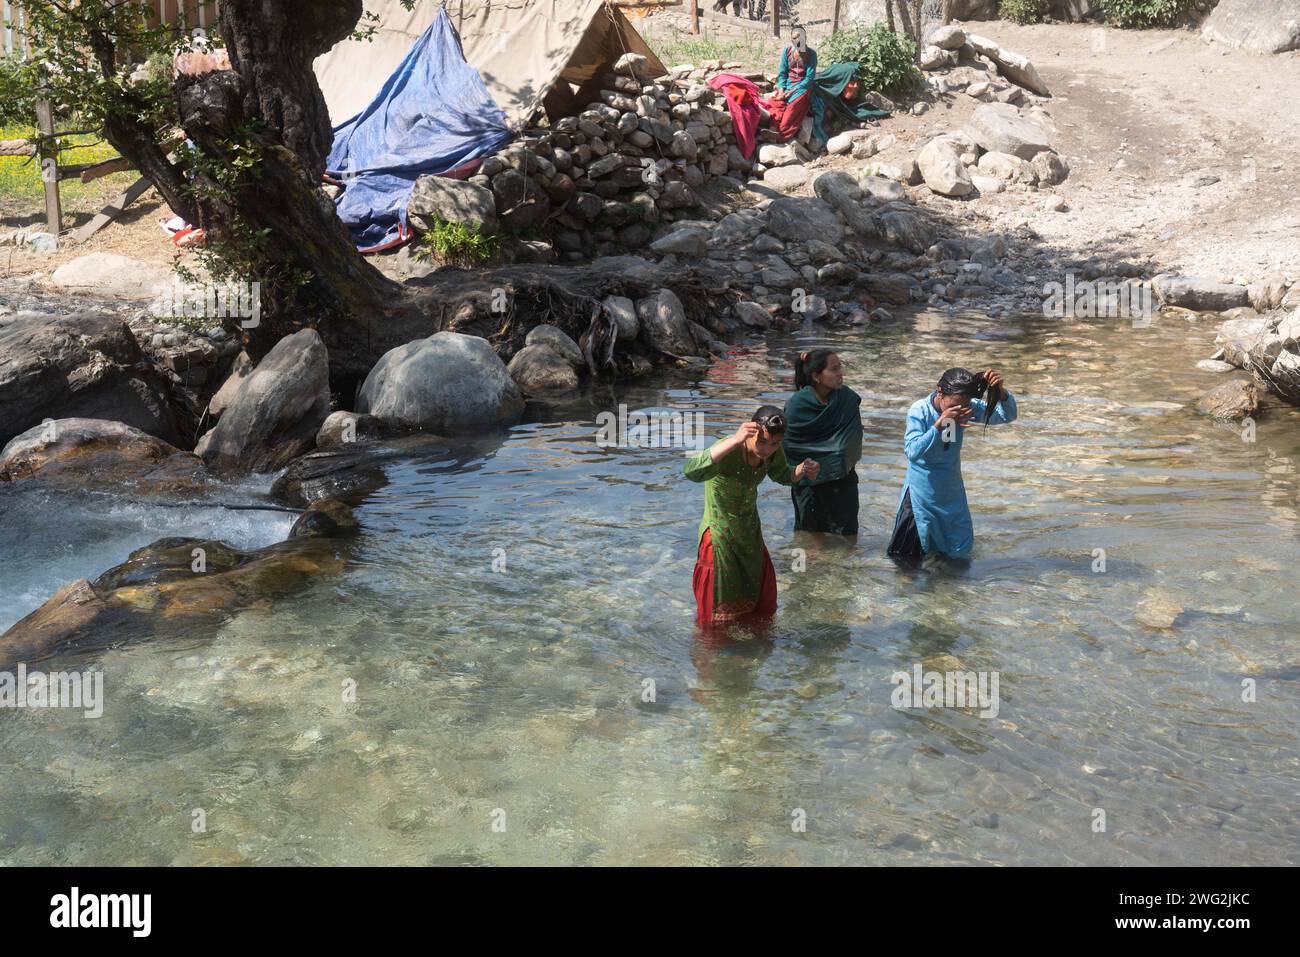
(886, 60)
(1023, 11)
(455, 244)
(17, 97)
(1145, 13)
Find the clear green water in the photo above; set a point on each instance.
(520, 690)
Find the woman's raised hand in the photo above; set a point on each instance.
(958, 415)
(807, 469)
(746, 430)
(997, 392)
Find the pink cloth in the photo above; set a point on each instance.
(743, 103)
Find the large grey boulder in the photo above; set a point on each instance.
(83, 365)
(277, 411)
(1260, 26)
(449, 383)
(663, 324)
(801, 219)
(943, 170)
(1016, 67)
(451, 201)
(999, 128)
(1201, 295)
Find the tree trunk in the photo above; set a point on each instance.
(274, 214)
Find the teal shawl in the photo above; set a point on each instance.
(805, 85)
(829, 434)
(828, 90)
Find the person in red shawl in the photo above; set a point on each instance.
(791, 101)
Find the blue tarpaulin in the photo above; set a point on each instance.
(432, 116)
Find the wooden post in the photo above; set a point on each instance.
(695, 16)
(776, 18)
(835, 20)
(48, 157)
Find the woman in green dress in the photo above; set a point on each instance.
(823, 424)
(734, 580)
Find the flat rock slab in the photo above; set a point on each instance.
(1016, 67)
(110, 276)
(1200, 295)
(786, 178)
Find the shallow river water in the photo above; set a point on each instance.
(511, 602)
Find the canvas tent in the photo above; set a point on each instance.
(431, 116)
(533, 55)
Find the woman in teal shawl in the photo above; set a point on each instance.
(828, 100)
(823, 424)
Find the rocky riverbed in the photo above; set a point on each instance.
(665, 248)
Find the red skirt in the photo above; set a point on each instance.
(707, 616)
(787, 117)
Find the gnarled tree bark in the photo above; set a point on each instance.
(309, 270)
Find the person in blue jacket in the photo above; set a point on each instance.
(933, 517)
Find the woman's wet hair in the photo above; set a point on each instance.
(770, 419)
(959, 381)
(809, 364)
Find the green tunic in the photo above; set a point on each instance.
(731, 518)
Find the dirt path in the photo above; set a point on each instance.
(1139, 115)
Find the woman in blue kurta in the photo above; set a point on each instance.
(933, 517)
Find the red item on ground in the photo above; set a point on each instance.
(706, 616)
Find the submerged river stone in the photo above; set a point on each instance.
(178, 580)
(1231, 400)
(1158, 610)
